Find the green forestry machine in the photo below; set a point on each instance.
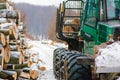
(83, 24)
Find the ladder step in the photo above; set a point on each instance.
(74, 8)
(72, 16)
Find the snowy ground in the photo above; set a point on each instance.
(45, 50)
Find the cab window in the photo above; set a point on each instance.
(91, 14)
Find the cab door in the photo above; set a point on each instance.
(89, 26)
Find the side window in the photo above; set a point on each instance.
(91, 14)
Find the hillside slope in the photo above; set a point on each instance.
(38, 18)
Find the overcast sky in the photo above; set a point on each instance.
(40, 2)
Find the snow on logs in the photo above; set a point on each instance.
(35, 65)
(108, 55)
(9, 29)
(5, 74)
(11, 49)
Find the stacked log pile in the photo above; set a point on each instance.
(9, 33)
(14, 62)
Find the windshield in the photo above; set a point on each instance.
(113, 9)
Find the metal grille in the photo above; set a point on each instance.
(102, 33)
(116, 33)
(73, 8)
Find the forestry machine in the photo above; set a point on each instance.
(83, 24)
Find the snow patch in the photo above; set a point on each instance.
(42, 55)
(109, 56)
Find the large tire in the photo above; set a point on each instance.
(67, 56)
(61, 64)
(56, 58)
(77, 72)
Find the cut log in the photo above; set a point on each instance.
(7, 39)
(34, 74)
(25, 75)
(11, 75)
(34, 71)
(29, 63)
(16, 57)
(23, 52)
(2, 38)
(14, 34)
(9, 29)
(41, 66)
(15, 66)
(6, 53)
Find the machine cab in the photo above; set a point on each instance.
(101, 19)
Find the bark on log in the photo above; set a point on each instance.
(16, 57)
(11, 75)
(1, 59)
(1, 62)
(15, 66)
(21, 66)
(18, 20)
(13, 42)
(9, 29)
(6, 31)
(26, 70)
(3, 1)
